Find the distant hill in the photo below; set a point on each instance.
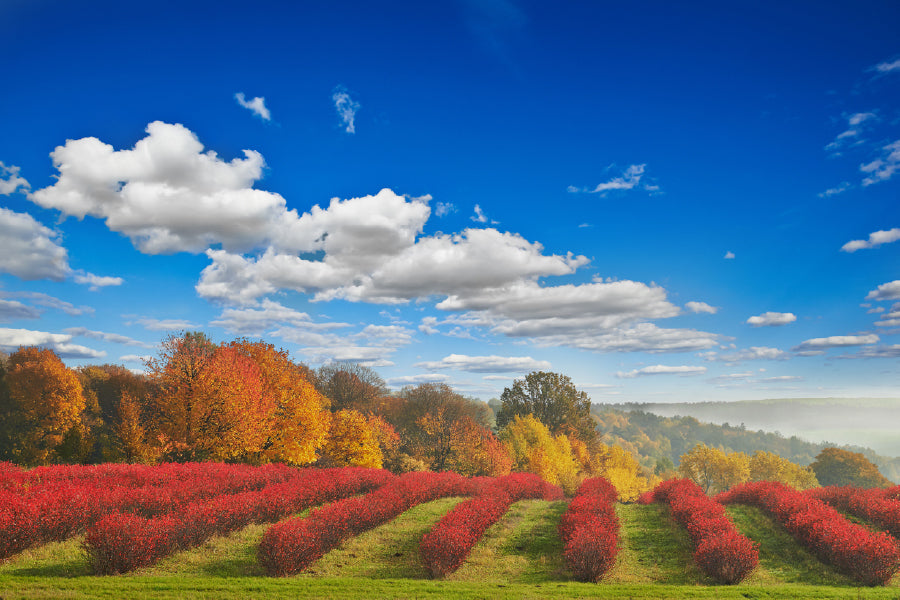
(659, 441)
(868, 422)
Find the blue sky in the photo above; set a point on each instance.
(664, 202)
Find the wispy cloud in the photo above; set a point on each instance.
(840, 189)
(96, 281)
(683, 370)
(628, 180)
(257, 106)
(729, 255)
(876, 238)
(888, 66)
(835, 341)
(852, 135)
(346, 108)
(883, 168)
(701, 307)
(480, 217)
(486, 364)
(10, 181)
(772, 319)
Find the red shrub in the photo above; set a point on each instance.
(590, 530)
(720, 551)
(870, 558)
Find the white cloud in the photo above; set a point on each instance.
(10, 310)
(257, 106)
(106, 337)
(135, 358)
(701, 307)
(840, 189)
(772, 319)
(49, 301)
(442, 209)
(630, 179)
(890, 319)
(12, 339)
(96, 281)
(752, 353)
(886, 291)
(10, 181)
(888, 66)
(780, 378)
(346, 108)
(882, 169)
(269, 316)
(876, 238)
(29, 250)
(851, 135)
(164, 324)
(876, 352)
(166, 194)
(729, 255)
(836, 341)
(730, 378)
(684, 370)
(417, 379)
(480, 217)
(486, 364)
(428, 325)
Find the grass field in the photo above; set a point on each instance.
(519, 557)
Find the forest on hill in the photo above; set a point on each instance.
(659, 441)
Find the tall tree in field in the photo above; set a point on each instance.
(714, 470)
(122, 404)
(300, 421)
(553, 399)
(209, 402)
(834, 466)
(352, 386)
(47, 404)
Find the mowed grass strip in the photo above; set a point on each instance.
(653, 548)
(522, 547)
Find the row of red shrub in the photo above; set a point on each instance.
(870, 558)
(53, 509)
(720, 550)
(291, 546)
(590, 530)
(446, 546)
(875, 505)
(118, 542)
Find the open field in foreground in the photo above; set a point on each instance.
(519, 557)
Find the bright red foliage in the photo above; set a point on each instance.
(720, 551)
(870, 558)
(446, 546)
(877, 505)
(590, 530)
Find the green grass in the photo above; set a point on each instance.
(519, 557)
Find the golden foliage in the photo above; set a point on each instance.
(352, 441)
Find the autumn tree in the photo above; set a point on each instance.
(47, 403)
(766, 466)
(553, 399)
(437, 425)
(299, 424)
(713, 469)
(834, 466)
(209, 402)
(351, 385)
(534, 449)
(352, 442)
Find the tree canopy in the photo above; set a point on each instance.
(553, 399)
(834, 466)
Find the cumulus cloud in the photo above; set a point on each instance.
(428, 325)
(346, 108)
(96, 281)
(30, 250)
(166, 194)
(835, 341)
(772, 319)
(486, 364)
(442, 209)
(12, 339)
(876, 238)
(628, 180)
(883, 168)
(257, 106)
(701, 307)
(115, 338)
(684, 370)
(886, 291)
(11, 181)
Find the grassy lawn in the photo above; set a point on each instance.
(519, 557)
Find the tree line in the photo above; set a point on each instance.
(248, 401)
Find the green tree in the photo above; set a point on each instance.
(834, 466)
(553, 399)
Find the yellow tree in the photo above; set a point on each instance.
(766, 466)
(351, 442)
(299, 424)
(714, 470)
(49, 403)
(533, 449)
(624, 472)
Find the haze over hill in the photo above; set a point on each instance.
(867, 422)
